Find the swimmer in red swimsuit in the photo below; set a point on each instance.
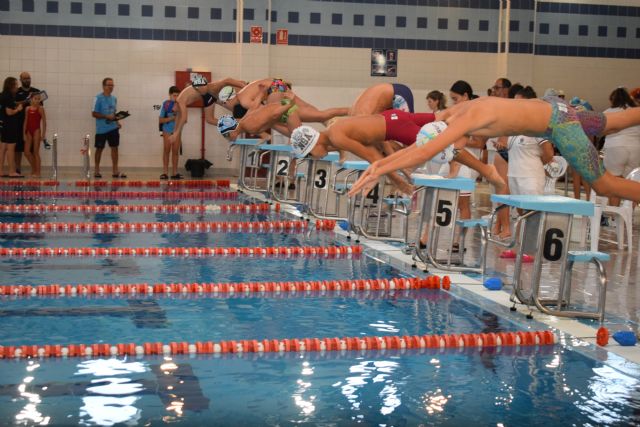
(364, 136)
(35, 126)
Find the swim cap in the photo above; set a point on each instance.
(303, 139)
(580, 104)
(227, 93)
(198, 80)
(427, 133)
(227, 124)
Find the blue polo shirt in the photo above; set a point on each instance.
(105, 105)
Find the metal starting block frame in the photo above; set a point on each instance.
(320, 190)
(249, 153)
(545, 233)
(439, 214)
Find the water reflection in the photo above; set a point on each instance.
(368, 371)
(30, 414)
(306, 405)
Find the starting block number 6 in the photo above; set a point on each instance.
(553, 244)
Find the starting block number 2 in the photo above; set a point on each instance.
(282, 165)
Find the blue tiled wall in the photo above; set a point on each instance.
(453, 25)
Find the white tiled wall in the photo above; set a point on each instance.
(71, 70)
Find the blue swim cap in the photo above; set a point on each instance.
(227, 124)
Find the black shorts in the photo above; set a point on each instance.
(112, 138)
(12, 135)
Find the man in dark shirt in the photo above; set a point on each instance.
(24, 91)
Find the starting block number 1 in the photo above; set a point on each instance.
(252, 158)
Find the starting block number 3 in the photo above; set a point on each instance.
(321, 179)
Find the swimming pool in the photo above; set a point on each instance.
(508, 385)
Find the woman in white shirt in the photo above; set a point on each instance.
(621, 149)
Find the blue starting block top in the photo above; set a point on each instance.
(555, 204)
(246, 141)
(283, 148)
(587, 256)
(358, 165)
(333, 156)
(437, 181)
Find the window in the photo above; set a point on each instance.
(4, 5)
(564, 29)
(193, 12)
(544, 28)
(216, 13)
(602, 31)
(443, 23)
(483, 25)
(100, 9)
(123, 9)
(358, 20)
(379, 20)
(422, 22)
(169, 11)
(622, 32)
(314, 18)
(336, 18)
(27, 6)
(52, 7)
(583, 30)
(401, 21)
(274, 16)
(514, 26)
(76, 8)
(294, 17)
(463, 24)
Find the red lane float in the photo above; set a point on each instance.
(222, 183)
(395, 283)
(29, 183)
(155, 227)
(284, 251)
(225, 209)
(394, 342)
(111, 195)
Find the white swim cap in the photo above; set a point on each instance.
(198, 80)
(429, 132)
(303, 139)
(227, 93)
(227, 124)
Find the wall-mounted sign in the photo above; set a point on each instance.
(282, 36)
(256, 34)
(384, 62)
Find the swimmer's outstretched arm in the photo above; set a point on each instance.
(372, 155)
(409, 157)
(616, 121)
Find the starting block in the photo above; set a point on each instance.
(544, 233)
(318, 195)
(439, 217)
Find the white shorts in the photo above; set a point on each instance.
(619, 161)
(526, 185)
(467, 172)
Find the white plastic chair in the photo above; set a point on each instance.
(623, 213)
(555, 169)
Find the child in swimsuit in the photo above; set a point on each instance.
(35, 125)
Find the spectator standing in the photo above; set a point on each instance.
(12, 126)
(171, 147)
(24, 92)
(107, 128)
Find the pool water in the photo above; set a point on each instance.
(538, 385)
